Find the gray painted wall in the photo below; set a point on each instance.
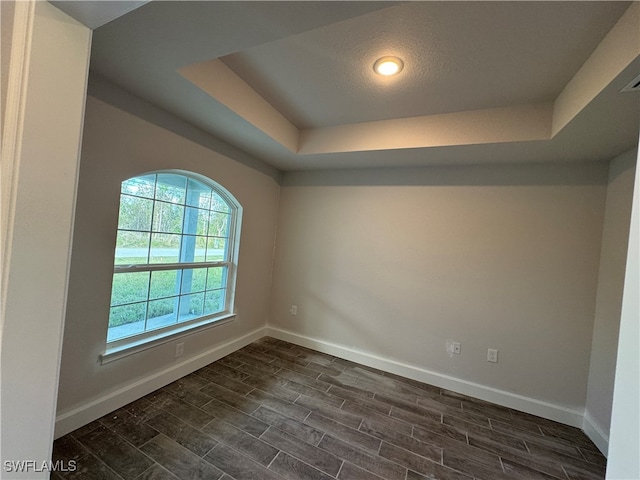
(613, 258)
(390, 262)
(117, 146)
(395, 263)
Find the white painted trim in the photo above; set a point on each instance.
(139, 345)
(12, 134)
(595, 433)
(79, 416)
(14, 112)
(624, 435)
(39, 168)
(533, 406)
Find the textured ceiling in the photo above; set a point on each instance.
(292, 83)
(451, 53)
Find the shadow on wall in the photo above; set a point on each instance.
(624, 163)
(102, 89)
(342, 310)
(589, 173)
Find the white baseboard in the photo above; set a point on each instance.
(540, 408)
(595, 433)
(77, 417)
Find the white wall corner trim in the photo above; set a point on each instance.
(83, 414)
(17, 79)
(540, 408)
(40, 171)
(624, 437)
(595, 433)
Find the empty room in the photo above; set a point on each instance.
(320, 240)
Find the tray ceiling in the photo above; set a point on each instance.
(292, 83)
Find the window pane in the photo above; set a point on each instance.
(217, 278)
(171, 188)
(188, 248)
(162, 313)
(216, 249)
(132, 248)
(192, 248)
(164, 283)
(201, 248)
(218, 224)
(218, 204)
(135, 213)
(193, 280)
(129, 287)
(167, 217)
(198, 194)
(140, 186)
(191, 306)
(214, 301)
(204, 201)
(196, 221)
(164, 248)
(126, 320)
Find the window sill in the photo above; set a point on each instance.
(137, 346)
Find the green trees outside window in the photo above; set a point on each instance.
(175, 254)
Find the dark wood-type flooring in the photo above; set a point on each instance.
(274, 411)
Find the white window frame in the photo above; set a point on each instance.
(148, 338)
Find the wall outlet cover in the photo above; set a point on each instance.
(492, 355)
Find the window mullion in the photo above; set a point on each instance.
(153, 212)
(146, 306)
(229, 241)
(149, 267)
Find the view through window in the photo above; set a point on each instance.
(175, 255)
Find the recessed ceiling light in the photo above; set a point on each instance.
(388, 66)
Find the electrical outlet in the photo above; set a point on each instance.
(492, 355)
(453, 348)
(179, 349)
(293, 310)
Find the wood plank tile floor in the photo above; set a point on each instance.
(275, 411)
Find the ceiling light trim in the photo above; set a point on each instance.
(388, 66)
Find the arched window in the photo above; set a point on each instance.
(175, 258)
